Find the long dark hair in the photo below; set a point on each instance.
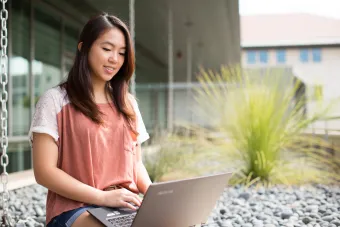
(79, 84)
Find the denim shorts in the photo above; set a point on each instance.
(67, 218)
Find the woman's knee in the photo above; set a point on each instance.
(86, 220)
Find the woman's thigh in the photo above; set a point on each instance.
(86, 220)
(76, 217)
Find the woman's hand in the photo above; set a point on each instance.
(121, 198)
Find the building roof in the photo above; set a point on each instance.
(289, 30)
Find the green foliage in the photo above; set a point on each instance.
(179, 155)
(262, 115)
(26, 101)
(164, 157)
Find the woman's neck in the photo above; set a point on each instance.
(100, 93)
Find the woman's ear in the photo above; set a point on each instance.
(79, 46)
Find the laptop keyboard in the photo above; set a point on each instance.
(122, 221)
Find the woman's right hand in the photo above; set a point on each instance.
(121, 198)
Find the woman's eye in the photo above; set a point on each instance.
(123, 54)
(106, 49)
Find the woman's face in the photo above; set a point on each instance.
(107, 55)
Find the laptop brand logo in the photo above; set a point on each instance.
(165, 192)
(114, 213)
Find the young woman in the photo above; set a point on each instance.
(86, 133)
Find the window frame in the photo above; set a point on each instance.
(316, 54)
(281, 56)
(263, 56)
(304, 55)
(251, 57)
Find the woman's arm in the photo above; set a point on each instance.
(143, 181)
(45, 157)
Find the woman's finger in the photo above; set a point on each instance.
(131, 194)
(128, 205)
(138, 198)
(133, 200)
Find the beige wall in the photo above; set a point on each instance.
(293, 57)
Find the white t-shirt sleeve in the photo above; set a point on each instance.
(45, 116)
(143, 134)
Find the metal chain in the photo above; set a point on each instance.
(6, 218)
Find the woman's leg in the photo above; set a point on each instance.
(86, 220)
(78, 217)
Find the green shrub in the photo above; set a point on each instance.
(263, 117)
(179, 155)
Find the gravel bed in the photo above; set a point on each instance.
(304, 206)
(311, 206)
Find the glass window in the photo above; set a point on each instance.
(19, 155)
(281, 56)
(70, 47)
(304, 55)
(19, 67)
(316, 54)
(47, 63)
(162, 95)
(71, 39)
(251, 57)
(263, 56)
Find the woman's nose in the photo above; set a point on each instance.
(113, 58)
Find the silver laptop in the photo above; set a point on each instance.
(181, 203)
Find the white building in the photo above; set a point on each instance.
(307, 44)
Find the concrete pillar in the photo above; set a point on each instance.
(170, 70)
(132, 33)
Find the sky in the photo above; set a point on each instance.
(330, 8)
